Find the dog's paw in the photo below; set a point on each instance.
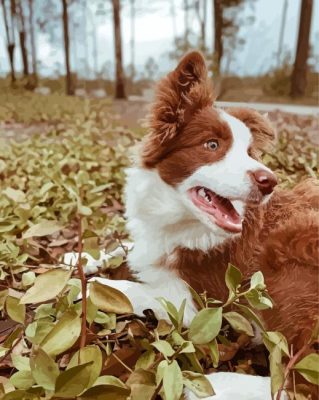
(92, 265)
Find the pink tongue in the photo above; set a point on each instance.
(225, 207)
(220, 210)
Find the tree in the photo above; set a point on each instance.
(186, 24)
(119, 76)
(299, 74)
(22, 38)
(33, 46)
(9, 28)
(151, 69)
(132, 41)
(65, 20)
(218, 40)
(201, 11)
(227, 22)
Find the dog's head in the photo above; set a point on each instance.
(208, 156)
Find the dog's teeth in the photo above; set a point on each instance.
(201, 192)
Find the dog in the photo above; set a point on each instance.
(199, 197)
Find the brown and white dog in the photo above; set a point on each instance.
(199, 197)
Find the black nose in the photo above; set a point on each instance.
(265, 180)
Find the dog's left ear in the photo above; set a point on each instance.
(260, 126)
(179, 95)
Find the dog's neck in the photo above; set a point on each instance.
(159, 223)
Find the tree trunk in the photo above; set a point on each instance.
(186, 27)
(33, 83)
(22, 37)
(218, 32)
(173, 15)
(132, 39)
(69, 84)
(10, 41)
(119, 79)
(201, 11)
(203, 24)
(299, 75)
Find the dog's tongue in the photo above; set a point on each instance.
(225, 215)
(219, 209)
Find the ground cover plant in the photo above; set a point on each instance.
(61, 190)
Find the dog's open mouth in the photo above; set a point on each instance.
(219, 209)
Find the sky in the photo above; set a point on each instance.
(154, 37)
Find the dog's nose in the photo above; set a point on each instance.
(265, 180)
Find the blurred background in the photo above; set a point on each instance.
(257, 50)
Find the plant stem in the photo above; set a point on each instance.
(158, 389)
(122, 362)
(233, 299)
(289, 366)
(83, 285)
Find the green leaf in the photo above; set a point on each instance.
(239, 323)
(84, 210)
(91, 246)
(250, 315)
(3, 296)
(13, 194)
(28, 278)
(86, 355)
(110, 381)
(214, 352)
(198, 384)
(109, 299)
(142, 384)
(145, 360)
(170, 309)
(55, 279)
(43, 228)
(105, 392)
(172, 381)
(15, 310)
(257, 281)
(20, 363)
(258, 300)
(233, 278)
(308, 367)
(38, 330)
(275, 339)
(205, 326)
(63, 335)
(196, 297)
(164, 347)
(20, 395)
(185, 345)
(43, 369)
(22, 380)
(73, 381)
(276, 369)
(181, 312)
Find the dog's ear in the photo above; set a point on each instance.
(181, 93)
(260, 126)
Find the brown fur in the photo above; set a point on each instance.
(285, 250)
(176, 165)
(280, 239)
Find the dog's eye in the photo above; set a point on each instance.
(212, 145)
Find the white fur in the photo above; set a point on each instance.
(232, 386)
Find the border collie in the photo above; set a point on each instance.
(199, 197)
